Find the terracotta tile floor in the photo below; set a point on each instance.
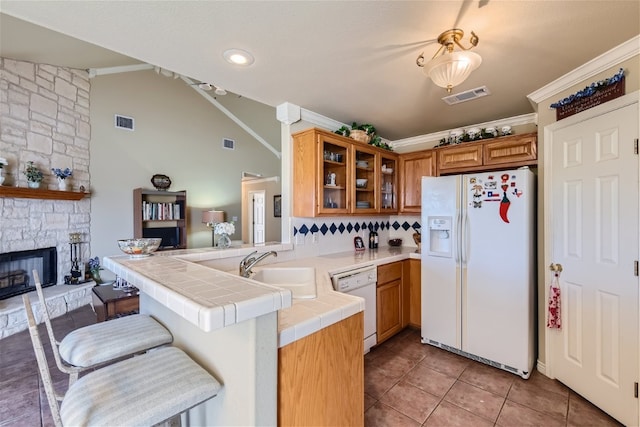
(23, 401)
(408, 383)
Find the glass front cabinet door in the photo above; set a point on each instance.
(388, 184)
(333, 183)
(365, 180)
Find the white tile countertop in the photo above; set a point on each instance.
(306, 316)
(208, 298)
(212, 299)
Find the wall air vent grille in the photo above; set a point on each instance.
(468, 95)
(229, 144)
(123, 122)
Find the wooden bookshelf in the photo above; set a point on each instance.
(172, 229)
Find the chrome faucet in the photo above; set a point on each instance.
(249, 261)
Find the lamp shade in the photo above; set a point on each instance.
(451, 69)
(212, 217)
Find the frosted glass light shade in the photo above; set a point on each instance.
(453, 68)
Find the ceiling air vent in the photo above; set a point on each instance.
(468, 95)
(123, 122)
(229, 144)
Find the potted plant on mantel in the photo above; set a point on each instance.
(33, 174)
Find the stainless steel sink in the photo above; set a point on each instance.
(301, 281)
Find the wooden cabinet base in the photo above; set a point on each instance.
(321, 377)
(110, 303)
(389, 300)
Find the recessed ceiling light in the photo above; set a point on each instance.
(238, 57)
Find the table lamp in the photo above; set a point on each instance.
(211, 218)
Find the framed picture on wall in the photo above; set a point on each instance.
(277, 206)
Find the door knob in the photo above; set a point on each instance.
(556, 267)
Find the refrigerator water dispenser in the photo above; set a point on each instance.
(440, 243)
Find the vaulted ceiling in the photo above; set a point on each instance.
(348, 60)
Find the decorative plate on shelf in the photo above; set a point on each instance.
(161, 182)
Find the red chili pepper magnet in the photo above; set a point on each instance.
(504, 208)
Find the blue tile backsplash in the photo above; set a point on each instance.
(320, 236)
(331, 227)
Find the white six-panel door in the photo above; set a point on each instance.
(593, 213)
(258, 217)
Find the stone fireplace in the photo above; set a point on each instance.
(45, 118)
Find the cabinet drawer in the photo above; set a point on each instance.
(463, 156)
(516, 150)
(389, 272)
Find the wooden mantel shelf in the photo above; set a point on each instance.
(38, 193)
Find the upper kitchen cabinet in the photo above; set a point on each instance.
(321, 174)
(388, 183)
(512, 151)
(335, 175)
(497, 153)
(413, 166)
(365, 180)
(459, 158)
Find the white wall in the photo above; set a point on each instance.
(177, 133)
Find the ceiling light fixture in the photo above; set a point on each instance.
(238, 57)
(452, 67)
(208, 87)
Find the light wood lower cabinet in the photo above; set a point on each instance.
(389, 301)
(321, 377)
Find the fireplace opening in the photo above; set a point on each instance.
(16, 270)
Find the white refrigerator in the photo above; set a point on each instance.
(478, 272)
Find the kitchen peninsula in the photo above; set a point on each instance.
(238, 328)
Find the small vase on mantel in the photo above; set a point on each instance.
(1, 177)
(63, 185)
(33, 184)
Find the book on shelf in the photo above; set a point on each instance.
(157, 211)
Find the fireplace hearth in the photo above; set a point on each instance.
(16, 270)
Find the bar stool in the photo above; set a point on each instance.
(101, 343)
(142, 390)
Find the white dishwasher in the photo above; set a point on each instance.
(361, 282)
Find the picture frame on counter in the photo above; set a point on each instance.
(358, 243)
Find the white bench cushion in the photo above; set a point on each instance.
(110, 340)
(142, 390)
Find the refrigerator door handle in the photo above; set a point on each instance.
(464, 231)
(458, 234)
